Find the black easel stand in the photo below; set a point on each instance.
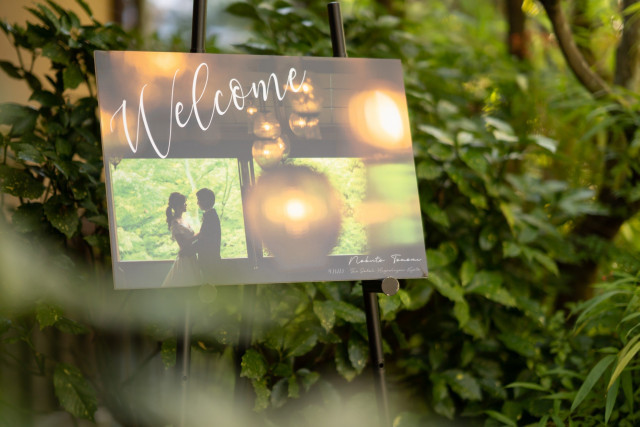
(370, 291)
(370, 288)
(183, 342)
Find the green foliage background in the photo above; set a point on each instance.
(513, 159)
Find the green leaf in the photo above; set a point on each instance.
(62, 216)
(19, 183)
(56, 53)
(257, 48)
(262, 394)
(520, 344)
(476, 160)
(595, 302)
(441, 152)
(463, 384)
(69, 326)
(625, 356)
(47, 314)
(612, 394)
(348, 312)
(300, 341)
(530, 386)
(489, 285)
(22, 119)
(467, 272)
(325, 312)
(51, 17)
(343, 366)
(28, 153)
(487, 238)
(74, 392)
(444, 255)
(358, 352)
(168, 352)
(63, 147)
(435, 214)
(253, 365)
(307, 378)
(32, 81)
(85, 6)
(547, 262)
(10, 69)
(243, 9)
(446, 285)
(461, 312)
(438, 134)
(428, 169)
(498, 124)
(502, 418)
(548, 144)
(389, 306)
(441, 399)
(72, 76)
(279, 393)
(510, 249)
(294, 387)
(28, 217)
(591, 380)
(507, 212)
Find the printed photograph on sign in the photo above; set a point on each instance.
(237, 169)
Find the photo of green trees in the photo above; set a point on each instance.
(141, 188)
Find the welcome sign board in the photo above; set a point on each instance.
(233, 169)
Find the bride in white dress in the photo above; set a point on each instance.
(185, 270)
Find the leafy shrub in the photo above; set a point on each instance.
(501, 183)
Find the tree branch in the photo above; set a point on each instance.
(589, 79)
(628, 53)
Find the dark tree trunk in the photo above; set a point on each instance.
(628, 54)
(580, 276)
(518, 37)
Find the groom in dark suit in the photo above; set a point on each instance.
(207, 245)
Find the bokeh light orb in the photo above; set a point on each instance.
(379, 117)
(297, 123)
(266, 125)
(297, 214)
(270, 152)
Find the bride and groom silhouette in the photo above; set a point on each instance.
(199, 254)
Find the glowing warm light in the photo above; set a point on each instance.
(304, 126)
(297, 123)
(270, 152)
(380, 110)
(307, 104)
(251, 110)
(379, 118)
(296, 209)
(296, 213)
(266, 125)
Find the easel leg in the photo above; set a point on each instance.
(243, 385)
(372, 313)
(183, 344)
(183, 362)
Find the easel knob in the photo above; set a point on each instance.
(388, 286)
